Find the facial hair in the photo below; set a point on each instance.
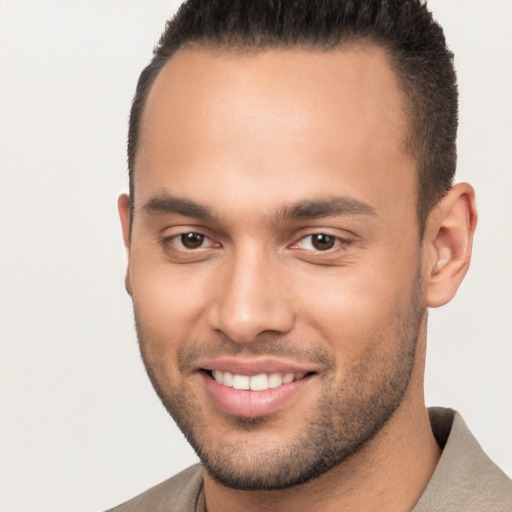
(346, 416)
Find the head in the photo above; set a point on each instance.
(290, 220)
(414, 44)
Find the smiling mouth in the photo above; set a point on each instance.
(259, 382)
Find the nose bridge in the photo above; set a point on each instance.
(250, 298)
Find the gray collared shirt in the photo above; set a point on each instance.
(465, 479)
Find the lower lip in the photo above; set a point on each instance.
(251, 404)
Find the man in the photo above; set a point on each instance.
(291, 217)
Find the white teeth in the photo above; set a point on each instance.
(288, 378)
(275, 380)
(241, 382)
(260, 382)
(227, 379)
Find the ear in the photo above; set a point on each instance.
(448, 244)
(124, 207)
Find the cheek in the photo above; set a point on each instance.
(168, 306)
(354, 309)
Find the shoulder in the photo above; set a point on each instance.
(178, 493)
(465, 478)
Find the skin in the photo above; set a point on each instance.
(248, 137)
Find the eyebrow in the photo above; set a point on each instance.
(307, 209)
(159, 205)
(319, 208)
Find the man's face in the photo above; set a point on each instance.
(275, 247)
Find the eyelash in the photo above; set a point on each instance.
(170, 242)
(336, 241)
(174, 243)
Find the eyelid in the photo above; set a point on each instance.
(340, 241)
(172, 240)
(208, 243)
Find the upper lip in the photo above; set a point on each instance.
(251, 366)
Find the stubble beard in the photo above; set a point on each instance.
(344, 419)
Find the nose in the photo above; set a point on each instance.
(251, 299)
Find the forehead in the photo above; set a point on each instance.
(274, 118)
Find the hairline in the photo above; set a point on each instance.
(242, 48)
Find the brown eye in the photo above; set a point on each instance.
(323, 242)
(192, 240)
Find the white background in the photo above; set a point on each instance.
(81, 429)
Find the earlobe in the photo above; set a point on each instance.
(449, 240)
(124, 208)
